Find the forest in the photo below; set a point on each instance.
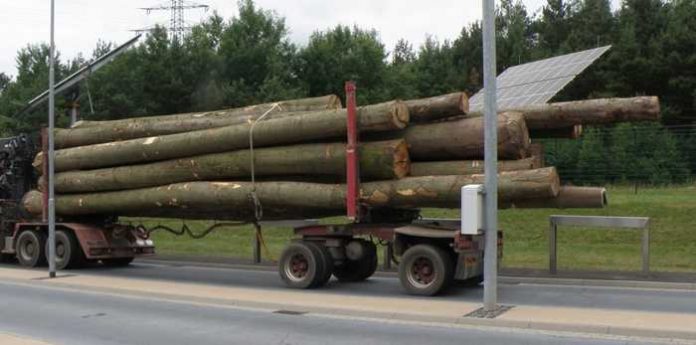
(249, 59)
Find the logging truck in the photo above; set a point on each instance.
(78, 241)
(432, 252)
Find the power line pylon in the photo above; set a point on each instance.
(177, 25)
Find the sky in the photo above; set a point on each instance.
(81, 23)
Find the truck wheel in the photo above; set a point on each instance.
(425, 270)
(117, 262)
(301, 265)
(327, 261)
(68, 251)
(361, 269)
(30, 248)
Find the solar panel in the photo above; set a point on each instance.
(538, 81)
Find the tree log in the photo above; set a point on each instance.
(288, 200)
(97, 132)
(288, 130)
(428, 109)
(590, 112)
(302, 104)
(572, 132)
(568, 197)
(378, 160)
(468, 167)
(463, 139)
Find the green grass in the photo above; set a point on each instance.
(673, 234)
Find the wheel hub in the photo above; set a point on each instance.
(298, 266)
(422, 271)
(60, 250)
(29, 248)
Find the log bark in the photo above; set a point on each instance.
(97, 132)
(568, 197)
(378, 160)
(290, 200)
(463, 139)
(572, 132)
(288, 130)
(433, 108)
(590, 112)
(468, 167)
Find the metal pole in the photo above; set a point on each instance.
(73, 113)
(51, 152)
(490, 264)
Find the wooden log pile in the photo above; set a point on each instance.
(413, 154)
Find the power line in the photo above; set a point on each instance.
(177, 25)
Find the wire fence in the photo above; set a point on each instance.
(648, 154)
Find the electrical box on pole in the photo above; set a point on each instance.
(472, 209)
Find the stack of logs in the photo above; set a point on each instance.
(413, 154)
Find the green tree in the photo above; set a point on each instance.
(341, 54)
(514, 35)
(31, 80)
(436, 70)
(592, 25)
(401, 79)
(552, 28)
(636, 60)
(679, 48)
(468, 57)
(257, 58)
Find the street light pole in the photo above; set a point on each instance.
(51, 152)
(490, 264)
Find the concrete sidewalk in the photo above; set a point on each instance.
(398, 308)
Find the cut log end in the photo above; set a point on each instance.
(402, 161)
(463, 103)
(515, 139)
(334, 102)
(400, 115)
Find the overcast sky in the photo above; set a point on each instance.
(81, 23)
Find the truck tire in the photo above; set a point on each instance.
(68, 251)
(30, 248)
(425, 270)
(361, 269)
(327, 261)
(117, 262)
(301, 265)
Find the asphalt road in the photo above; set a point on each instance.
(521, 294)
(70, 317)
